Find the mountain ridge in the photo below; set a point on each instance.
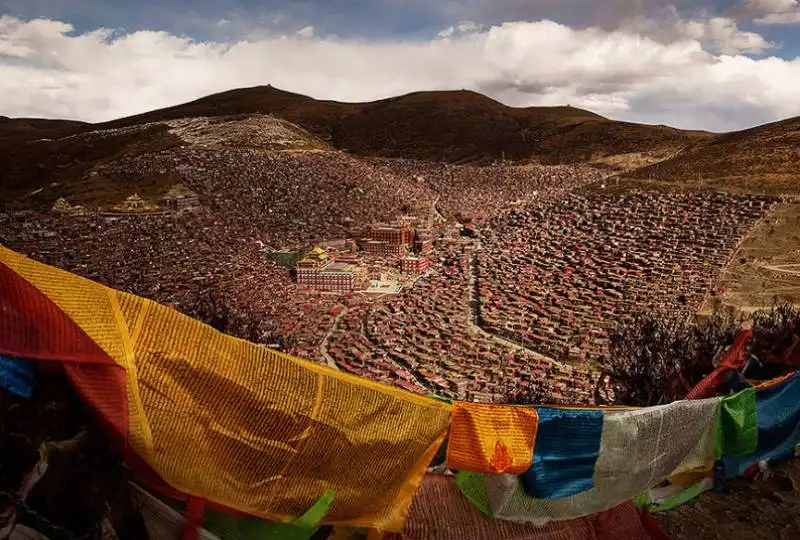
(446, 125)
(763, 158)
(458, 126)
(465, 127)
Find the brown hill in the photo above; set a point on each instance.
(19, 135)
(764, 158)
(62, 164)
(468, 127)
(316, 116)
(454, 126)
(458, 126)
(449, 126)
(31, 128)
(37, 171)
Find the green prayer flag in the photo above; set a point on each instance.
(232, 527)
(642, 500)
(681, 498)
(474, 489)
(737, 434)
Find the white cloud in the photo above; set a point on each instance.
(722, 35)
(306, 32)
(717, 34)
(792, 17)
(765, 7)
(461, 29)
(769, 11)
(47, 71)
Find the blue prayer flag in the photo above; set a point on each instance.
(566, 449)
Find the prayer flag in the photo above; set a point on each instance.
(778, 421)
(567, 445)
(492, 439)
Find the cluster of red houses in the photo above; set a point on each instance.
(402, 244)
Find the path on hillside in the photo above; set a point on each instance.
(783, 268)
(439, 215)
(397, 361)
(769, 268)
(719, 278)
(323, 347)
(475, 302)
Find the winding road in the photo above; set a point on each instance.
(323, 347)
(474, 308)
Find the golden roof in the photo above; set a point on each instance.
(317, 254)
(135, 203)
(61, 204)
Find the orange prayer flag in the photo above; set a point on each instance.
(492, 439)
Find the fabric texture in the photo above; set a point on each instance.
(17, 375)
(691, 477)
(642, 500)
(473, 487)
(738, 434)
(638, 450)
(735, 357)
(491, 439)
(244, 427)
(778, 421)
(665, 503)
(34, 326)
(193, 518)
(567, 445)
(652, 527)
(440, 512)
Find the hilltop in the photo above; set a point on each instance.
(453, 126)
(82, 162)
(764, 158)
(43, 160)
(460, 127)
(34, 128)
(467, 127)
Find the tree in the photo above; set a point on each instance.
(656, 358)
(536, 393)
(775, 331)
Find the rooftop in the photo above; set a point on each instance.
(339, 267)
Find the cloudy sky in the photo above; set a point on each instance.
(714, 64)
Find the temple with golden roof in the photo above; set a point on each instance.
(135, 205)
(316, 258)
(318, 271)
(61, 206)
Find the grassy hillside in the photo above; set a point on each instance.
(36, 128)
(764, 158)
